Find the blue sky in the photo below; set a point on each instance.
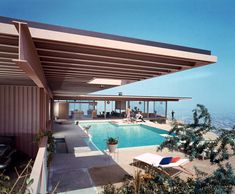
(201, 24)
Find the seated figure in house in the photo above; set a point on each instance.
(139, 116)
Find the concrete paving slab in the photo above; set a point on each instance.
(82, 191)
(71, 180)
(78, 170)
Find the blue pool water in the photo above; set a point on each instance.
(129, 135)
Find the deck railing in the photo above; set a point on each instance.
(39, 172)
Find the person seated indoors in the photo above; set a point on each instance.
(139, 116)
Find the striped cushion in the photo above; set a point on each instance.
(175, 159)
(165, 160)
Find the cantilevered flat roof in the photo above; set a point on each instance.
(73, 62)
(121, 98)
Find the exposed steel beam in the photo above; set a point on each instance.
(99, 64)
(73, 75)
(28, 59)
(115, 60)
(9, 55)
(103, 70)
(95, 74)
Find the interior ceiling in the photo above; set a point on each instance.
(68, 67)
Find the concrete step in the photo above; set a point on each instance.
(82, 149)
(91, 153)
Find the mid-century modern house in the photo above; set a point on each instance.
(41, 64)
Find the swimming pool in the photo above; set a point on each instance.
(128, 135)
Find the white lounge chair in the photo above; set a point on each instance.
(154, 160)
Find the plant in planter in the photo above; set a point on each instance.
(50, 143)
(112, 144)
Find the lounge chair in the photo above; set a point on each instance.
(154, 160)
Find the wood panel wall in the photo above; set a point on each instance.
(23, 111)
(61, 110)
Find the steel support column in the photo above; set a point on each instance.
(166, 110)
(105, 109)
(93, 104)
(147, 109)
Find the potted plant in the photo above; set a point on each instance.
(112, 144)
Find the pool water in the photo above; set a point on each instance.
(128, 135)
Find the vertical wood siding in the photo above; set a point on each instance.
(23, 111)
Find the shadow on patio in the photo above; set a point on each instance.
(108, 174)
(76, 173)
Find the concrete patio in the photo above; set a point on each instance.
(86, 171)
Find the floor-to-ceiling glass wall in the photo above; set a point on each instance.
(81, 109)
(160, 108)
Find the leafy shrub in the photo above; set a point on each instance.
(189, 139)
(221, 181)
